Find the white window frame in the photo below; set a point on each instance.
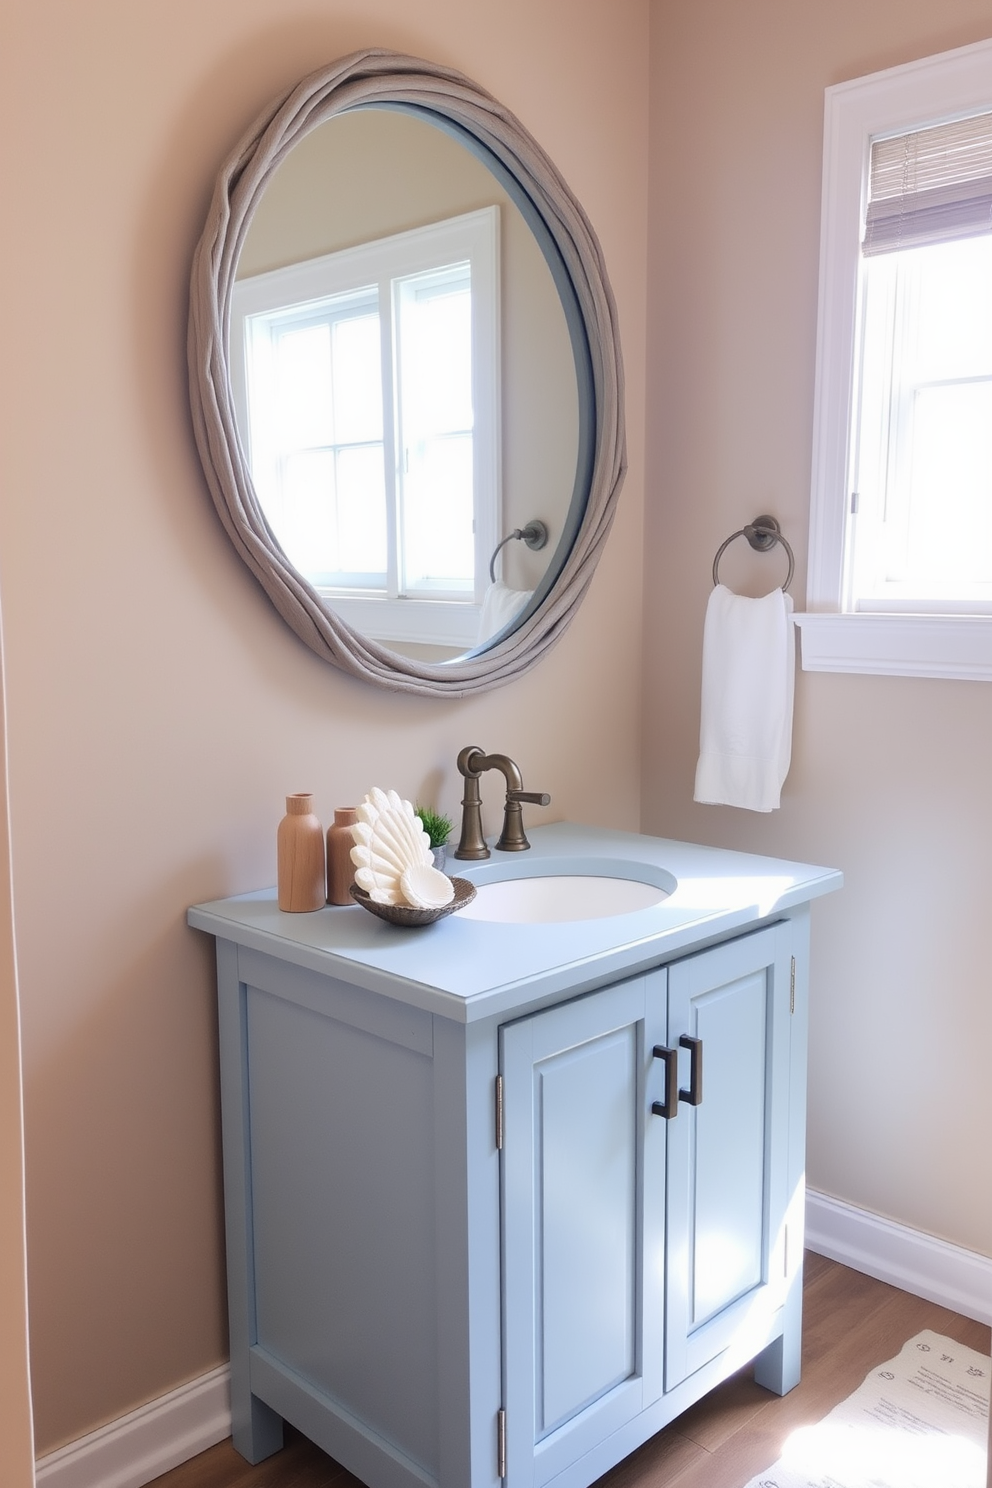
(834, 639)
(473, 237)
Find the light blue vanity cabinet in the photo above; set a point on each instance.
(469, 1240)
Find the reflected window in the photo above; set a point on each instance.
(314, 394)
(370, 412)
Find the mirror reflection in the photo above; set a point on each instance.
(404, 383)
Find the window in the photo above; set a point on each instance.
(366, 384)
(901, 518)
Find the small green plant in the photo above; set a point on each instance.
(437, 827)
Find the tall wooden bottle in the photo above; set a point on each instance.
(340, 868)
(300, 854)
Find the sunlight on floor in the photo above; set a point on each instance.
(856, 1456)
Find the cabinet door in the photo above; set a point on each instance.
(728, 1156)
(583, 1181)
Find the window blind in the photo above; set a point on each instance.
(931, 186)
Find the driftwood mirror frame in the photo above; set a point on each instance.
(381, 78)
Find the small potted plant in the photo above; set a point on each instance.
(438, 829)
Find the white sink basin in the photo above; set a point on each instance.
(555, 898)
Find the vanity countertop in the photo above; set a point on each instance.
(469, 969)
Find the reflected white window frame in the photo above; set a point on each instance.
(835, 636)
(264, 336)
(410, 293)
(473, 237)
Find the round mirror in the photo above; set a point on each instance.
(404, 384)
(405, 377)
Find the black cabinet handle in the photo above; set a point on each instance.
(669, 1106)
(694, 1095)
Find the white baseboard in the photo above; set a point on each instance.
(138, 1447)
(132, 1451)
(910, 1259)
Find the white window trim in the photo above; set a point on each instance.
(953, 84)
(474, 236)
(427, 622)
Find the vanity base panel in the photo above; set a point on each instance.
(375, 1463)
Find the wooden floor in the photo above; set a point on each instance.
(850, 1324)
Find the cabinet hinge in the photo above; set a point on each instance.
(501, 1443)
(792, 987)
(499, 1113)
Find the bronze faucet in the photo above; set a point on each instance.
(472, 844)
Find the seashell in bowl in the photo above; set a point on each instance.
(392, 855)
(410, 919)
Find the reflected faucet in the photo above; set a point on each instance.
(472, 763)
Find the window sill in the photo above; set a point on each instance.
(424, 622)
(958, 646)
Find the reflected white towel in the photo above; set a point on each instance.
(745, 730)
(499, 606)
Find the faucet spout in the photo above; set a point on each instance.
(472, 762)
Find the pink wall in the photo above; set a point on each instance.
(890, 778)
(158, 709)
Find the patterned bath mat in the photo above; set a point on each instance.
(918, 1421)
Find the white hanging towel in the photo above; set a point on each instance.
(500, 604)
(745, 729)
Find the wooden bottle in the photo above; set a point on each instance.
(340, 868)
(300, 854)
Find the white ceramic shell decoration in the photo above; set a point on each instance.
(392, 855)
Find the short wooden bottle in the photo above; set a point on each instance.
(340, 868)
(300, 853)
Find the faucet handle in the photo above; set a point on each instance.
(513, 837)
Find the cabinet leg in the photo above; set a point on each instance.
(256, 1429)
(778, 1367)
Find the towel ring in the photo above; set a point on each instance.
(535, 535)
(763, 533)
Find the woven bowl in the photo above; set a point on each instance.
(409, 918)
